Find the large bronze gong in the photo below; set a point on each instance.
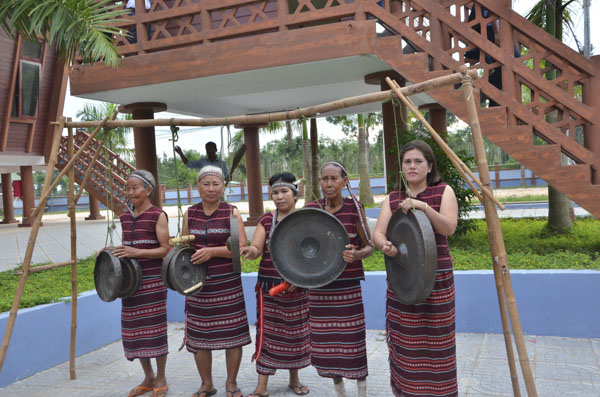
(306, 247)
(182, 273)
(116, 278)
(411, 273)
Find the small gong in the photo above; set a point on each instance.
(108, 276)
(182, 273)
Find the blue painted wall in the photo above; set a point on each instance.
(550, 302)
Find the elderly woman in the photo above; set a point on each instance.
(337, 316)
(145, 235)
(421, 337)
(282, 333)
(216, 316)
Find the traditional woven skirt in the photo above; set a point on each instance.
(215, 318)
(422, 344)
(144, 320)
(337, 330)
(282, 332)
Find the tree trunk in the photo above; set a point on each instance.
(314, 149)
(366, 196)
(307, 177)
(559, 206)
(290, 138)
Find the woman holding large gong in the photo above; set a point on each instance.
(145, 236)
(282, 332)
(421, 337)
(216, 316)
(337, 316)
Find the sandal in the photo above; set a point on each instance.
(139, 390)
(232, 392)
(298, 389)
(160, 391)
(205, 393)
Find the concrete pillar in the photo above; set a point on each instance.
(145, 141)
(253, 174)
(389, 125)
(7, 199)
(28, 195)
(94, 210)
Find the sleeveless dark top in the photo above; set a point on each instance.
(140, 232)
(211, 231)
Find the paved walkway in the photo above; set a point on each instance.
(562, 367)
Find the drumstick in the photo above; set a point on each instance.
(181, 239)
(193, 288)
(276, 290)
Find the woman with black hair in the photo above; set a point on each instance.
(337, 314)
(145, 235)
(282, 332)
(421, 337)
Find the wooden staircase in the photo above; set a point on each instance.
(529, 103)
(98, 184)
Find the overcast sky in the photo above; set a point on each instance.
(190, 139)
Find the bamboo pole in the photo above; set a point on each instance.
(458, 163)
(37, 219)
(45, 267)
(43, 198)
(70, 151)
(498, 250)
(88, 172)
(265, 118)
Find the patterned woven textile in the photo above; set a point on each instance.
(144, 315)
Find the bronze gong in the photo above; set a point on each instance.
(182, 273)
(411, 273)
(164, 269)
(132, 277)
(306, 247)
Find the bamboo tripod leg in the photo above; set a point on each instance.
(37, 219)
(497, 242)
(74, 260)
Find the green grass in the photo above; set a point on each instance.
(518, 199)
(528, 244)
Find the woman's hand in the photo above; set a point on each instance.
(351, 254)
(409, 204)
(124, 251)
(202, 255)
(249, 252)
(389, 249)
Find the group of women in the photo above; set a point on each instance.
(323, 327)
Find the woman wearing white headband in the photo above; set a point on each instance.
(145, 235)
(208, 326)
(336, 310)
(282, 332)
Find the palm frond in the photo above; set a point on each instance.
(77, 27)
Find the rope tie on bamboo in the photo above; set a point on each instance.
(361, 217)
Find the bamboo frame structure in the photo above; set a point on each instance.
(88, 172)
(45, 267)
(501, 272)
(506, 296)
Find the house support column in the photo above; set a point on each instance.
(7, 199)
(94, 209)
(145, 141)
(28, 195)
(253, 173)
(393, 117)
(437, 119)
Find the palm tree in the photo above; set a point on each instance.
(116, 139)
(77, 27)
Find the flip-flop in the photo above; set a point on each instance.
(160, 389)
(139, 390)
(298, 389)
(255, 394)
(232, 392)
(205, 393)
